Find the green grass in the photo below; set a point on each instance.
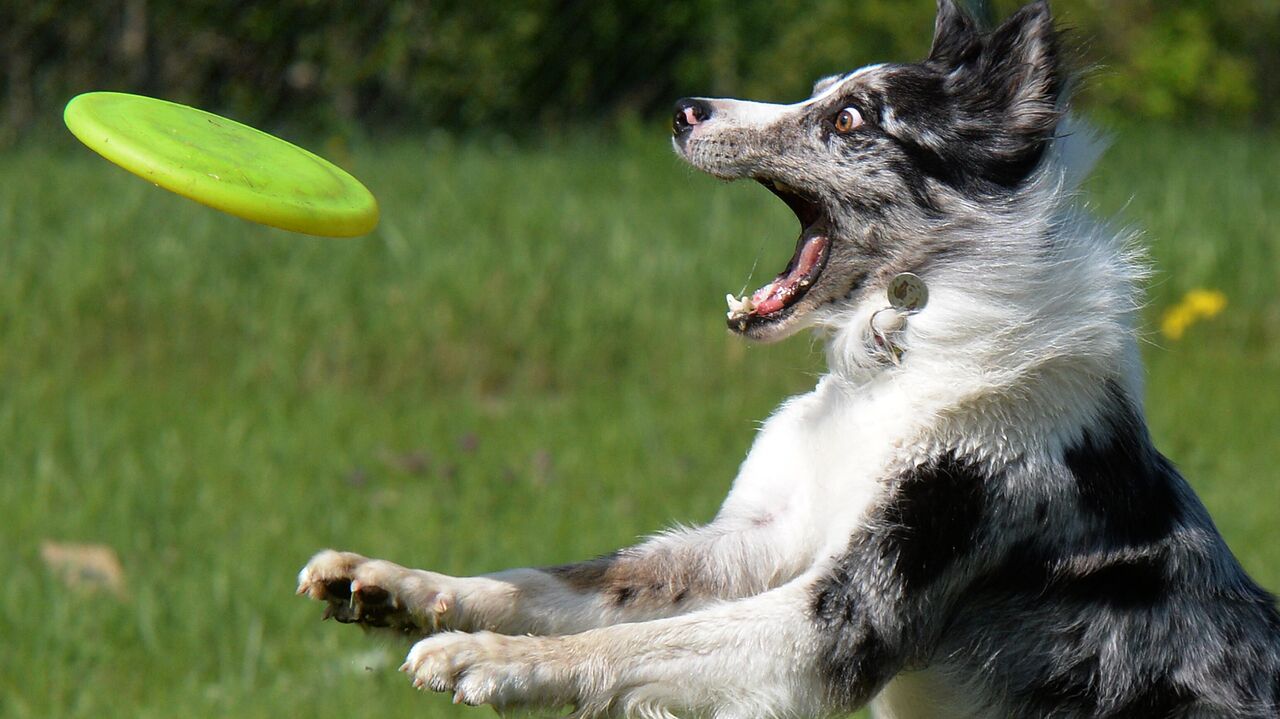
(526, 364)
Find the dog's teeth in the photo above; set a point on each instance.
(739, 307)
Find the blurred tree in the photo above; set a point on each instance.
(1182, 61)
(519, 65)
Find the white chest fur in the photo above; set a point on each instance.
(821, 460)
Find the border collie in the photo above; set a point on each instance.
(966, 516)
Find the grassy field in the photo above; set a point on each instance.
(526, 364)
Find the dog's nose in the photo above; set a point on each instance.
(689, 112)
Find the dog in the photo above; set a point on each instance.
(966, 516)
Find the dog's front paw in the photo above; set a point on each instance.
(488, 668)
(374, 593)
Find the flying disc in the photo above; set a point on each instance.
(223, 164)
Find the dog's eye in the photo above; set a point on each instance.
(848, 120)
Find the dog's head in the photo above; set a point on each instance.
(875, 162)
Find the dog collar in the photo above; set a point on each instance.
(907, 295)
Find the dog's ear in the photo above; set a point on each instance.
(1020, 71)
(1006, 91)
(955, 35)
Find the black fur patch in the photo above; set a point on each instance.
(1121, 478)
(857, 660)
(933, 518)
(858, 667)
(1076, 693)
(1162, 699)
(924, 162)
(1073, 692)
(1123, 584)
(1025, 571)
(1119, 583)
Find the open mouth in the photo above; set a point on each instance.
(778, 299)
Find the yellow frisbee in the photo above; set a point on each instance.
(223, 164)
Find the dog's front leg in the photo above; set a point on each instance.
(737, 555)
(768, 655)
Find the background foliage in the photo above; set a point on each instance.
(528, 64)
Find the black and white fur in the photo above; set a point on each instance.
(965, 518)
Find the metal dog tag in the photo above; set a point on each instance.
(908, 293)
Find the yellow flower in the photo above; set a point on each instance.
(1196, 305)
(1205, 303)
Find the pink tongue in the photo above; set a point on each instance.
(775, 295)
